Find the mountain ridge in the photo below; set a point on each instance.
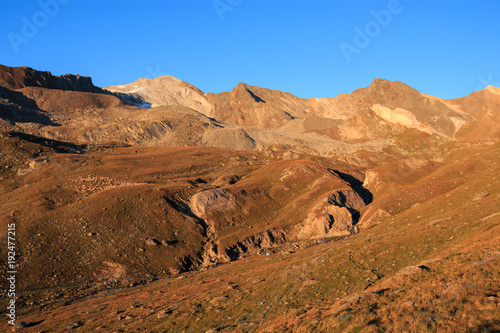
(247, 105)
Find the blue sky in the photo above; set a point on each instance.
(309, 48)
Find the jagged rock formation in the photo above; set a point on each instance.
(15, 78)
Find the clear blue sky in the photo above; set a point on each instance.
(444, 48)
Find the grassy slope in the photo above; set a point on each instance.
(90, 215)
(367, 283)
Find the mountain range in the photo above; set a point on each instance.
(155, 206)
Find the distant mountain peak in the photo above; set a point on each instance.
(242, 85)
(380, 81)
(387, 83)
(493, 89)
(243, 88)
(162, 78)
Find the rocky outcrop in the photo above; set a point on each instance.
(263, 240)
(251, 245)
(325, 220)
(335, 216)
(20, 77)
(352, 200)
(216, 200)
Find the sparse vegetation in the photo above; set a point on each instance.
(128, 223)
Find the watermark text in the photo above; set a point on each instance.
(364, 36)
(11, 273)
(223, 6)
(31, 26)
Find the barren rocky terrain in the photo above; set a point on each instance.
(153, 206)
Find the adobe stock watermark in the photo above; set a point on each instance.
(486, 81)
(363, 37)
(31, 27)
(223, 6)
(155, 72)
(11, 273)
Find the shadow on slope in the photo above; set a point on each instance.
(16, 107)
(356, 185)
(57, 146)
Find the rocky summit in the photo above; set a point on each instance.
(153, 206)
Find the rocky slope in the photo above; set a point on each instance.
(108, 208)
(430, 267)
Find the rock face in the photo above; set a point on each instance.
(31, 96)
(335, 216)
(15, 78)
(217, 200)
(326, 220)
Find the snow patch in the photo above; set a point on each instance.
(144, 105)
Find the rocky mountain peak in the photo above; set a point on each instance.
(20, 77)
